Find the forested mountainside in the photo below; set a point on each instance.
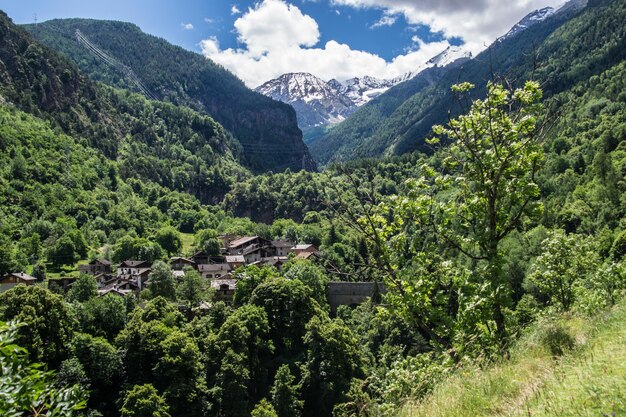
(491, 271)
(266, 129)
(563, 49)
(365, 121)
(173, 146)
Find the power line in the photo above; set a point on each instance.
(127, 71)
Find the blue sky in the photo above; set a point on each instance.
(332, 38)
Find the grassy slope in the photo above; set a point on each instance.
(590, 381)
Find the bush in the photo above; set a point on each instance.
(557, 339)
(526, 311)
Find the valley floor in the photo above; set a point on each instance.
(589, 381)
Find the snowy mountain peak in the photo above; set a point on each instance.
(292, 87)
(361, 90)
(316, 102)
(450, 55)
(529, 20)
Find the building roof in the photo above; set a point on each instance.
(251, 249)
(276, 260)
(181, 259)
(133, 264)
(101, 261)
(178, 274)
(307, 255)
(235, 259)
(242, 241)
(213, 267)
(217, 283)
(142, 271)
(21, 275)
(282, 244)
(115, 291)
(306, 246)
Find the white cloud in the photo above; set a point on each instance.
(208, 20)
(385, 20)
(275, 25)
(278, 38)
(187, 26)
(477, 22)
(234, 10)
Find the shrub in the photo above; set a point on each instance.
(557, 339)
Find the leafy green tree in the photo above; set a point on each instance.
(141, 340)
(263, 409)
(83, 289)
(248, 279)
(131, 247)
(48, 324)
(289, 308)
(63, 252)
(144, 401)
(238, 359)
(493, 156)
(39, 271)
(179, 373)
(230, 392)
(7, 256)
(332, 360)
(286, 394)
(564, 264)
(311, 275)
(193, 290)
(103, 367)
(103, 316)
(169, 239)
(26, 389)
(207, 241)
(161, 281)
(618, 250)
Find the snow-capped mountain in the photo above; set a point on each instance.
(529, 20)
(319, 103)
(361, 90)
(316, 102)
(451, 54)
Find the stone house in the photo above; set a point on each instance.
(212, 271)
(12, 279)
(97, 266)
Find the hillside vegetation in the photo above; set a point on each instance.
(561, 51)
(494, 263)
(588, 378)
(267, 129)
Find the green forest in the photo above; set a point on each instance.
(496, 241)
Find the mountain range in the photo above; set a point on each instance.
(121, 55)
(319, 103)
(399, 120)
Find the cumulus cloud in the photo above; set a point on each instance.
(277, 38)
(187, 26)
(477, 22)
(234, 10)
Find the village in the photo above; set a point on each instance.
(132, 276)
